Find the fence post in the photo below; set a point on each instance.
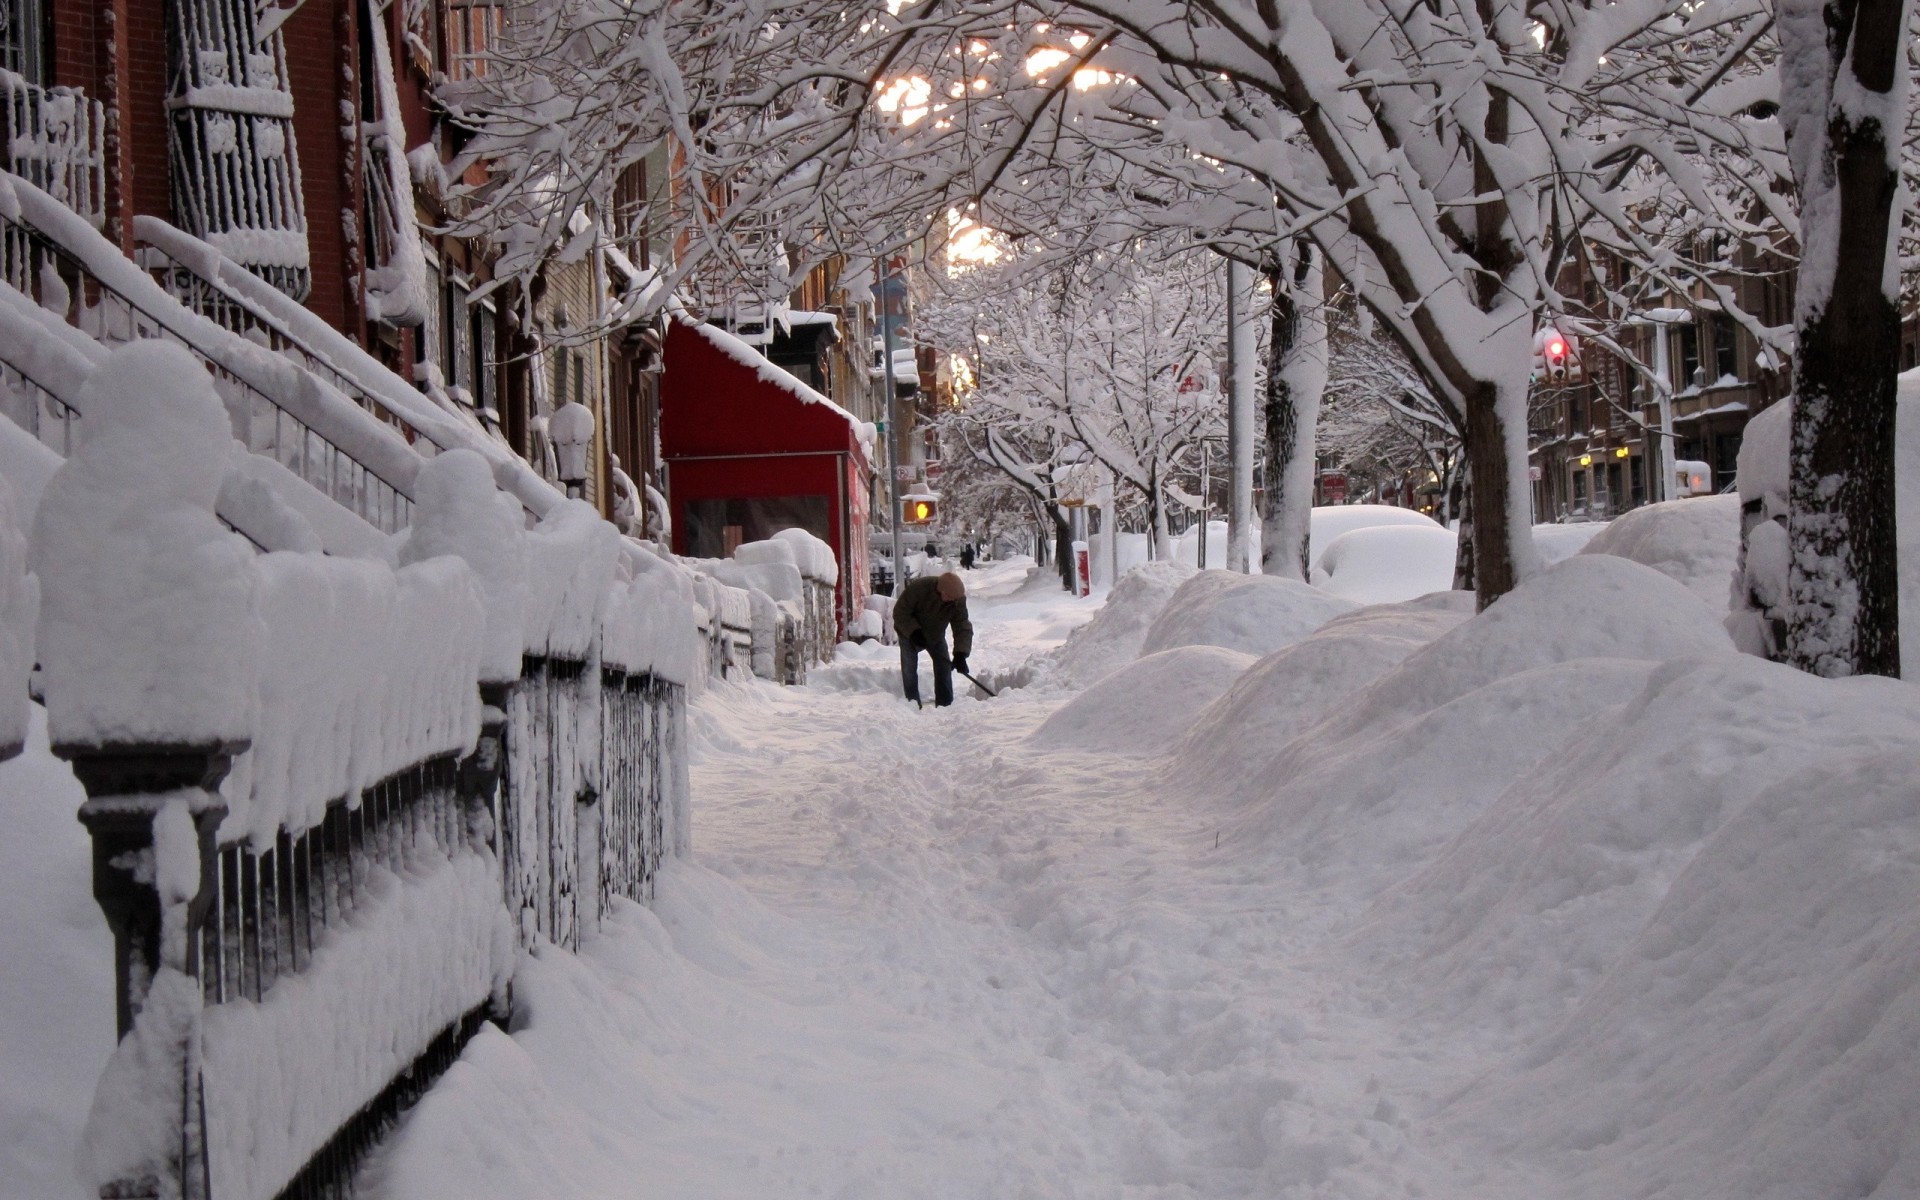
(155, 917)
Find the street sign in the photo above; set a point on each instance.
(903, 474)
(1535, 474)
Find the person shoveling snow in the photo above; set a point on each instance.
(921, 616)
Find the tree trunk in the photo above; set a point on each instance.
(1460, 504)
(1240, 443)
(1843, 584)
(1296, 381)
(1063, 548)
(1496, 530)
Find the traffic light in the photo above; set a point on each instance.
(1556, 356)
(920, 510)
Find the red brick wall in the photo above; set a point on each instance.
(142, 53)
(320, 46)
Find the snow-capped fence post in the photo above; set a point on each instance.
(148, 641)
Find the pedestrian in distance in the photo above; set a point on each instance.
(924, 611)
(966, 557)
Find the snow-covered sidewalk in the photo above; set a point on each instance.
(1536, 917)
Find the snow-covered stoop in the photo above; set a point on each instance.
(363, 708)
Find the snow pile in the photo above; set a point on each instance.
(1294, 688)
(649, 623)
(1113, 637)
(1698, 928)
(1403, 764)
(458, 511)
(1143, 706)
(1589, 606)
(418, 951)
(1329, 521)
(1695, 541)
(19, 612)
(364, 670)
(147, 627)
(25, 466)
(572, 557)
(56, 993)
(1385, 564)
(1254, 614)
(814, 557)
(1557, 542)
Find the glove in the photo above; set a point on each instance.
(960, 663)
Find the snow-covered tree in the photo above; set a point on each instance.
(1113, 354)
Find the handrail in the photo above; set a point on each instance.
(39, 265)
(189, 284)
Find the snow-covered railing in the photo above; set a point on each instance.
(329, 794)
(789, 581)
(277, 409)
(55, 139)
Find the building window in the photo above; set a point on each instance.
(23, 40)
(630, 213)
(1726, 362)
(472, 30)
(1689, 357)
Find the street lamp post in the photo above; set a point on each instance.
(893, 451)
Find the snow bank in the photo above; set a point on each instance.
(1694, 541)
(147, 628)
(1375, 789)
(1589, 606)
(1557, 542)
(1754, 1040)
(1329, 521)
(814, 557)
(1289, 691)
(418, 952)
(1113, 637)
(1144, 706)
(1254, 614)
(1696, 926)
(1385, 564)
(56, 993)
(19, 613)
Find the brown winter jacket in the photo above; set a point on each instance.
(919, 609)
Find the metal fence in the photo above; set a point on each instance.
(572, 793)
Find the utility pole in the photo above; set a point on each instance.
(893, 448)
(1240, 353)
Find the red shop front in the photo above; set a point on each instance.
(750, 450)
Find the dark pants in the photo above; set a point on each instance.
(942, 670)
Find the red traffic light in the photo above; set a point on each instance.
(1556, 348)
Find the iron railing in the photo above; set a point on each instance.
(37, 265)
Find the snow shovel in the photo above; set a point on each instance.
(975, 682)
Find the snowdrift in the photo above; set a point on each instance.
(1254, 614)
(1385, 564)
(1694, 541)
(1699, 933)
(1144, 706)
(1113, 637)
(1558, 542)
(1376, 789)
(1284, 694)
